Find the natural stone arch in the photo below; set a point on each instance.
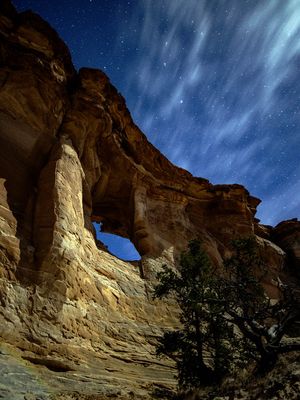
(116, 245)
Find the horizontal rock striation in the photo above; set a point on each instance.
(71, 155)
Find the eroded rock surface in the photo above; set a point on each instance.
(70, 155)
(287, 236)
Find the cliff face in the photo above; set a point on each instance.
(71, 155)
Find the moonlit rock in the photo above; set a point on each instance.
(71, 155)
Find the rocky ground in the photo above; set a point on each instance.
(76, 322)
(283, 383)
(21, 379)
(24, 377)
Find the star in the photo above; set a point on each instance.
(232, 64)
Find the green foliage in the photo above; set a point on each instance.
(261, 322)
(204, 334)
(246, 271)
(226, 320)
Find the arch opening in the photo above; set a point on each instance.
(117, 245)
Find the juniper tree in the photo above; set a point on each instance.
(226, 318)
(262, 322)
(201, 348)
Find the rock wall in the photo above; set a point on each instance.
(287, 235)
(70, 155)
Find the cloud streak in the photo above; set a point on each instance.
(214, 84)
(216, 89)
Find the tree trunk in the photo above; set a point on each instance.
(266, 363)
(207, 375)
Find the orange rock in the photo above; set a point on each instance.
(71, 155)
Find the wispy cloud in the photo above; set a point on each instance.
(169, 64)
(214, 85)
(283, 202)
(211, 89)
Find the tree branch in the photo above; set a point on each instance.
(285, 348)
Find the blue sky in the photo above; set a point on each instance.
(214, 84)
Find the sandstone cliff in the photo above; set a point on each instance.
(71, 155)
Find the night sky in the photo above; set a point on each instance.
(214, 84)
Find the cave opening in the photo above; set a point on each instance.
(117, 245)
